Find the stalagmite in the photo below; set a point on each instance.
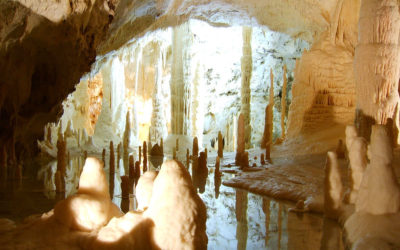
(144, 157)
(174, 153)
(61, 159)
(202, 172)
(220, 146)
(379, 191)
(269, 119)
(137, 172)
(247, 68)
(140, 154)
(112, 159)
(3, 162)
(187, 158)
(84, 155)
(240, 140)
(351, 134)
(91, 208)
(377, 63)
(245, 160)
(131, 173)
(340, 150)
(358, 163)
(162, 146)
(58, 182)
(126, 142)
(144, 189)
(195, 151)
(118, 156)
(48, 134)
(333, 188)
(283, 104)
(103, 157)
(262, 161)
(206, 153)
(125, 187)
(177, 144)
(217, 177)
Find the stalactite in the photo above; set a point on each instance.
(126, 142)
(247, 68)
(333, 189)
(283, 104)
(220, 146)
(240, 140)
(195, 150)
(112, 159)
(377, 63)
(144, 156)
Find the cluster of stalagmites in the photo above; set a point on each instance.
(161, 196)
(373, 186)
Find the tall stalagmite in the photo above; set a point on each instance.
(333, 189)
(283, 104)
(220, 145)
(144, 157)
(112, 159)
(126, 141)
(180, 86)
(377, 63)
(247, 68)
(61, 159)
(269, 119)
(240, 140)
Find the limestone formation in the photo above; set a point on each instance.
(174, 153)
(177, 144)
(91, 208)
(376, 63)
(358, 163)
(351, 134)
(118, 156)
(103, 157)
(144, 189)
(220, 146)
(283, 104)
(379, 191)
(240, 140)
(137, 172)
(187, 158)
(162, 146)
(262, 161)
(112, 159)
(340, 150)
(140, 154)
(269, 118)
(126, 142)
(144, 157)
(61, 160)
(195, 150)
(333, 188)
(217, 177)
(247, 68)
(125, 187)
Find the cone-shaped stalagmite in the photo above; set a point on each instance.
(103, 157)
(202, 172)
(269, 118)
(195, 151)
(137, 172)
(240, 140)
(358, 163)
(61, 159)
(220, 145)
(112, 158)
(144, 157)
(283, 104)
(262, 160)
(217, 177)
(379, 191)
(126, 141)
(333, 189)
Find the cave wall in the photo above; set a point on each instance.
(324, 87)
